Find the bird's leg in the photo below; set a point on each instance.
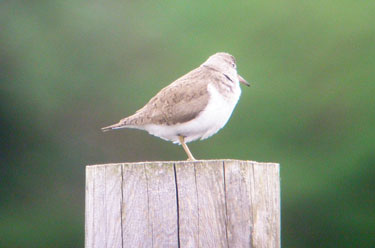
(186, 148)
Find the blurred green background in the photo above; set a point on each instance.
(68, 68)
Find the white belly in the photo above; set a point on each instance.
(206, 124)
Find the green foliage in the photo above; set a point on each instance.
(68, 68)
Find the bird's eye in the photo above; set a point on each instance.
(234, 65)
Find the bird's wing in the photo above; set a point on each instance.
(179, 102)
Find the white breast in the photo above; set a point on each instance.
(219, 110)
(207, 123)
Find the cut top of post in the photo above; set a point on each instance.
(205, 203)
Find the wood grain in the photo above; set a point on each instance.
(136, 226)
(162, 204)
(103, 206)
(266, 205)
(238, 186)
(211, 203)
(188, 205)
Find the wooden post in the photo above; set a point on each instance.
(206, 203)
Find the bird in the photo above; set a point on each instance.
(195, 106)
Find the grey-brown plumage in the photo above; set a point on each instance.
(169, 106)
(186, 99)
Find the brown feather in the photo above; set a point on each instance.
(169, 106)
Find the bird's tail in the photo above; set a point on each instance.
(124, 123)
(112, 127)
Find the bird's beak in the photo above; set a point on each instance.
(242, 80)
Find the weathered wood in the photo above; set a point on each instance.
(211, 205)
(135, 209)
(187, 204)
(103, 206)
(214, 203)
(162, 204)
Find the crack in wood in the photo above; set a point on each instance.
(226, 206)
(177, 205)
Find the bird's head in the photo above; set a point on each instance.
(225, 63)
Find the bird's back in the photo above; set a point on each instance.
(179, 102)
